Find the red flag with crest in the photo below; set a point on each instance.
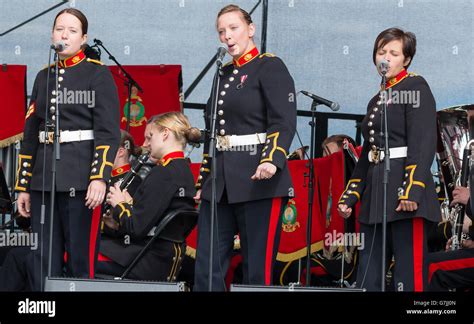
(162, 87)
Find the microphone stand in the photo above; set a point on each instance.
(56, 156)
(46, 129)
(386, 173)
(212, 156)
(309, 226)
(129, 82)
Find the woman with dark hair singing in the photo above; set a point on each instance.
(89, 135)
(411, 198)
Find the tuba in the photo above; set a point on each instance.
(453, 156)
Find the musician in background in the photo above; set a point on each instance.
(412, 203)
(461, 196)
(169, 186)
(454, 268)
(335, 143)
(121, 169)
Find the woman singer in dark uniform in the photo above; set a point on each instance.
(88, 107)
(411, 198)
(256, 121)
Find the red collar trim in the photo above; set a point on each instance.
(397, 79)
(120, 170)
(247, 57)
(73, 60)
(171, 156)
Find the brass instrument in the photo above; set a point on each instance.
(454, 150)
(458, 217)
(128, 179)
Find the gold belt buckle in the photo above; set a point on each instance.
(50, 139)
(223, 142)
(375, 155)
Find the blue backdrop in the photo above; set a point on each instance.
(326, 44)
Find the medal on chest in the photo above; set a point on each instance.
(242, 80)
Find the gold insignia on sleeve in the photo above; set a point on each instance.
(30, 111)
(274, 138)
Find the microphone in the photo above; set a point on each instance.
(97, 41)
(58, 46)
(220, 55)
(331, 104)
(383, 66)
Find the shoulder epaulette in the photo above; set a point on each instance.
(94, 61)
(412, 74)
(266, 54)
(227, 64)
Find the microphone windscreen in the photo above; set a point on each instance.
(59, 46)
(383, 65)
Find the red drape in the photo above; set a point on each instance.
(12, 103)
(161, 86)
(328, 187)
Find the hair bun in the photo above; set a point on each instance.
(193, 135)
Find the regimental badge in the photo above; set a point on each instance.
(76, 59)
(137, 110)
(248, 57)
(289, 223)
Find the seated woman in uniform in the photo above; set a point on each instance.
(15, 273)
(169, 186)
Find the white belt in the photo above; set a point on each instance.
(68, 136)
(377, 156)
(225, 142)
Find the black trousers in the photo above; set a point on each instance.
(451, 269)
(259, 225)
(75, 231)
(161, 263)
(407, 243)
(15, 270)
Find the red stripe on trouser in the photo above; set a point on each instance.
(450, 265)
(418, 239)
(234, 263)
(272, 230)
(93, 239)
